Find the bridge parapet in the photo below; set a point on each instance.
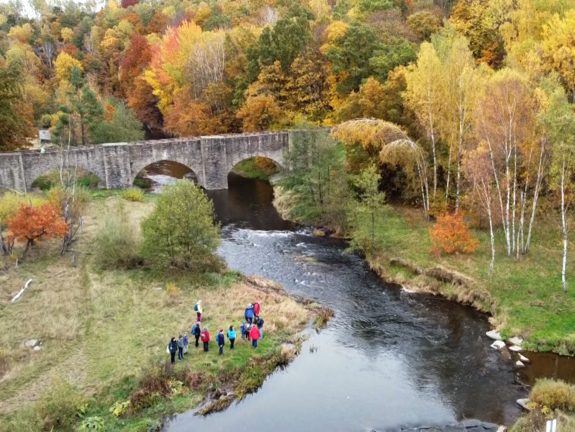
(117, 164)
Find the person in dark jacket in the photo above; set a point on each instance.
(232, 336)
(206, 339)
(249, 313)
(221, 340)
(196, 332)
(254, 336)
(243, 329)
(180, 348)
(173, 348)
(260, 325)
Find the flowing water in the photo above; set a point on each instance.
(388, 359)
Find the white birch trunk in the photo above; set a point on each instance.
(564, 225)
(535, 195)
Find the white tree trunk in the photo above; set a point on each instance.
(564, 225)
(540, 175)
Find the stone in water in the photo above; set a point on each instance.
(515, 348)
(498, 344)
(523, 358)
(519, 363)
(493, 335)
(523, 403)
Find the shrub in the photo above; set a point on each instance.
(154, 384)
(550, 394)
(57, 198)
(181, 231)
(10, 202)
(173, 294)
(451, 235)
(116, 245)
(92, 424)
(135, 195)
(58, 407)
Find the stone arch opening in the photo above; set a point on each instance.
(82, 177)
(155, 175)
(256, 167)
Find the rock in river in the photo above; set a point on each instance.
(498, 344)
(493, 335)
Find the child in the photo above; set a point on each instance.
(180, 348)
(243, 329)
(232, 337)
(206, 339)
(221, 340)
(260, 325)
(198, 309)
(196, 332)
(255, 335)
(248, 329)
(186, 343)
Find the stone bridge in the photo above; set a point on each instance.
(211, 158)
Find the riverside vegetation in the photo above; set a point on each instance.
(105, 316)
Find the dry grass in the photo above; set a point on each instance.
(99, 327)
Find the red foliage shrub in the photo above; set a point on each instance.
(451, 235)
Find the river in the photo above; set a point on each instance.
(388, 359)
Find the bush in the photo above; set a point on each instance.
(451, 235)
(58, 407)
(11, 202)
(181, 231)
(154, 384)
(116, 245)
(173, 294)
(134, 195)
(57, 198)
(549, 394)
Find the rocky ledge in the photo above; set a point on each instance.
(464, 426)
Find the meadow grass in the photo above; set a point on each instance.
(526, 294)
(99, 329)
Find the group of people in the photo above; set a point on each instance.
(251, 329)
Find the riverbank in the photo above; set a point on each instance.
(523, 296)
(100, 334)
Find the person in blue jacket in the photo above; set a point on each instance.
(249, 313)
(232, 336)
(243, 329)
(221, 340)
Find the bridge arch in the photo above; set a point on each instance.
(253, 166)
(138, 166)
(52, 161)
(169, 168)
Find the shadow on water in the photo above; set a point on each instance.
(388, 358)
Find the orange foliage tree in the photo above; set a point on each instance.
(451, 235)
(36, 223)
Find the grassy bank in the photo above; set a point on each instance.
(256, 168)
(100, 331)
(524, 297)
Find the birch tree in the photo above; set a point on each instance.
(424, 98)
(559, 122)
(505, 123)
(459, 86)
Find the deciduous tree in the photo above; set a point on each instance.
(32, 224)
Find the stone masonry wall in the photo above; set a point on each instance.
(210, 157)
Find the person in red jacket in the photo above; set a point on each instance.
(254, 336)
(257, 309)
(205, 336)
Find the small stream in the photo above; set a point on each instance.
(388, 359)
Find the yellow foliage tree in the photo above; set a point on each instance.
(67, 34)
(558, 46)
(64, 65)
(259, 113)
